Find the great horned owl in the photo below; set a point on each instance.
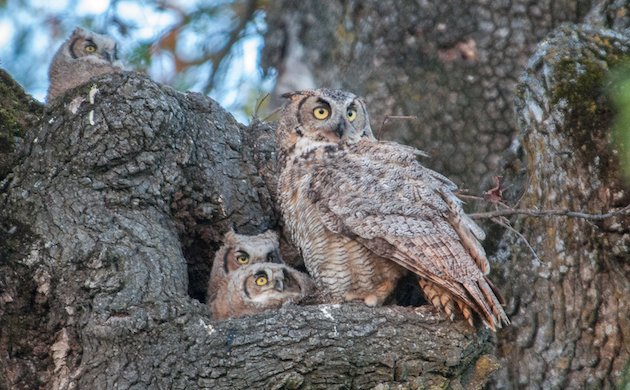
(82, 56)
(259, 287)
(364, 212)
(240, 250)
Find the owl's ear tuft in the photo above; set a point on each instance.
(79, 31)
(229, 235)
(294, 94)
(288, 95)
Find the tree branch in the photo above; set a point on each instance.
(550, 213)
(235, 35)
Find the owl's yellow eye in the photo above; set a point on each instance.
(90, 48)
(321, 113)
(261, 280)
(242, 258)
(351, 114)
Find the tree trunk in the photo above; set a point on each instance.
(109, 223)
(570, 306)
(18, 112)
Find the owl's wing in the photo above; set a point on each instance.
(379, 195)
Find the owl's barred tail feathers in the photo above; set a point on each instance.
(483, 295)
(439, 297)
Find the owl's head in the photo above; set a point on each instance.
(244, 250)
(85, 44)
(324, 115)
(265, 282)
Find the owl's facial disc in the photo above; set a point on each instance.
(332, 124)
(274, 256)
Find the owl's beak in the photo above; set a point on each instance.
(278, 284)
(341, 128)
(107, 57)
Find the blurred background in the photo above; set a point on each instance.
(212, 47)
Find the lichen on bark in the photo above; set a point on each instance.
(18, 112)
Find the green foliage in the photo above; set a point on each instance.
(140, 56)
(620, 91)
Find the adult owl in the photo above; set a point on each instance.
(239, 250)
(364, 212)
(83, 55)
(258, 288)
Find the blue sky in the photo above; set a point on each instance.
(26, 58)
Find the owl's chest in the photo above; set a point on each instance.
(337, 263)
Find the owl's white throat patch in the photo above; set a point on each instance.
(305, 146)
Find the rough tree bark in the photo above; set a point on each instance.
(108, 225)
(18, 112)
(570, 308)
(457, 66)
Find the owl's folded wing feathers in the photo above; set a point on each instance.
(402, 211)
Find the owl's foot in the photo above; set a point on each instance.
(370, 300)
(375, 297)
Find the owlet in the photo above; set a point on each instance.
(82, 56)
(258, 288)
(238, 251)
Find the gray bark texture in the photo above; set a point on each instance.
(18, 112)
(109, 221)
(570, 307)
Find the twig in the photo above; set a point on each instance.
(274, 112)
(259, 103)
(549, 213)
(479, 198)
(506, 224)
(388, 117)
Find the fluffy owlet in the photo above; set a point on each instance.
(82, 56)
(259, 287)
(365, 212)
(238, 251)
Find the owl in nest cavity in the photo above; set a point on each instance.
(365, 212)
(82, 56)
(238, 251)
(257, 288)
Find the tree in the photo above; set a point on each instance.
(112, 208)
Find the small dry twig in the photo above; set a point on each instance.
(388, 117)
(272, 113)
(502, 221)
(550, 213)
(259, 103)
(494, 197)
